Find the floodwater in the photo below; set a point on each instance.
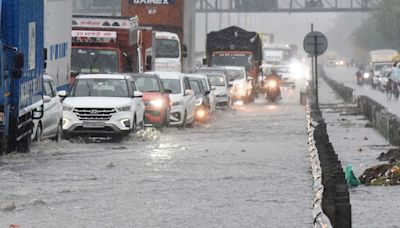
(248, 167)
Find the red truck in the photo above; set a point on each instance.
(104, 45)
(160, 34)
(234, 46)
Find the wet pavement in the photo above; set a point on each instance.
(248, 167)
(359, 145)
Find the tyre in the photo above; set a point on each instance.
(38, 134)
(183, 125)
(25, 144)
(389, 94)
(59, 134)
(166, 119)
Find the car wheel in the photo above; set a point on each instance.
(183, 125)
(59, 134)
(38, 135)
(166, 119)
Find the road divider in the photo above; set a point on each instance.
(332, 201)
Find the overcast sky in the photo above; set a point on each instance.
(287, 28)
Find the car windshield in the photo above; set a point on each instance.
(216, 80)
(94, 61)
(235, 74)
(147, 84)
(378, 67)
(195, 85)
(100, 88)
(173, 85)
(167, 48)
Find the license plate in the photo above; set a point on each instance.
(93, 125)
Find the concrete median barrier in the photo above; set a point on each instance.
(332, 201)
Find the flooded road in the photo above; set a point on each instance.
(248, 167)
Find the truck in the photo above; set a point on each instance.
(21, 71)
(378, 60)
(234, 46)
(164, 25)
(57, 41)
(103, 44)
(277, 54)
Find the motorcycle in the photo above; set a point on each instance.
(272, 90)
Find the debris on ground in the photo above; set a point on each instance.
(392, 155)
(382, 175)
(151, 134)
(351, 179)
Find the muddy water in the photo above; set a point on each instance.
(248, 167)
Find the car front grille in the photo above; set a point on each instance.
(94, 113)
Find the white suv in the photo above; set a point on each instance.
(102, 105)
(183, 100)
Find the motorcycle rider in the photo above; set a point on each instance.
(359, 75)
(275, 77)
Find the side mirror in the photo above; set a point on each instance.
(168, 91)
(46, 99)
(213, 88)
(205, 62)
(62, 93)
(207, 92)
(149, 61)
(189, 92)
(184, 51)
(137, 94)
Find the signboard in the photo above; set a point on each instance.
(95, 22)
(153, 2)
(94, 34)
(315, 43)
(32, 46)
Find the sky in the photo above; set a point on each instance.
(287, 28)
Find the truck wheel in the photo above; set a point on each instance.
(24, 146)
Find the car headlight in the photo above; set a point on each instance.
(157, 103)
(272, 84)
(199, 101)
(124, 108)
(176, 103)
(65, 122)
(67, 108)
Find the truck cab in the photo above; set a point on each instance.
(167, 51)
(103, 45)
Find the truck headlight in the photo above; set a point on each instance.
(157, 103)
(124, 108)
(366, 75)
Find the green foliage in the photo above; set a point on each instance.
(382, 29)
